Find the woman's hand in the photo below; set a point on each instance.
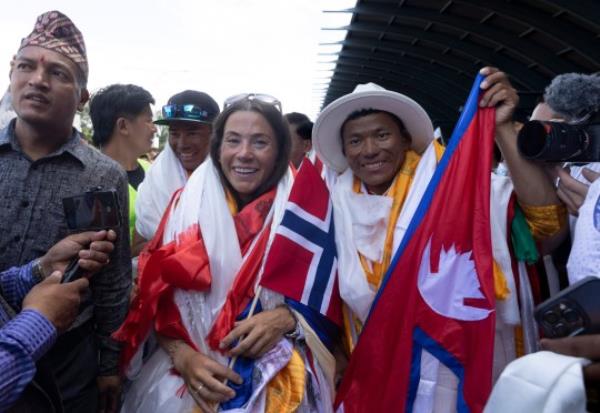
(204, 377)
(259, 333)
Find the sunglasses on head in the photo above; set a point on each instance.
(187, 111)
(264, 98)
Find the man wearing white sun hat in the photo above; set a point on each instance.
(382, 145)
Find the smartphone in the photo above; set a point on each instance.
(90, 211)
(573, 311)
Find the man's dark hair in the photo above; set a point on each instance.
(304, 130)
(365, 112)
(282, 137)
(113, 102)
(296, 118)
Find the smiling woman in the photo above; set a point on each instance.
(250, 148)
(204, 264)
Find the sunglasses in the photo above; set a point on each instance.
(264, 98)
(188, 111)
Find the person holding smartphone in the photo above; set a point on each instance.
(44, 159)
(35, 307)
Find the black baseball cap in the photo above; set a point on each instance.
(189, 106)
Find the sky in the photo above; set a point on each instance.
(221, 47)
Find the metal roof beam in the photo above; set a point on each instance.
(475, 51)
(523, 47)
(400, 72)
(434, 69)
(573, 36)
(432, 103)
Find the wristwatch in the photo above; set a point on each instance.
(37, 272)
(295, 333)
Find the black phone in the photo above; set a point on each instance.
(91, 211)
(573, 311)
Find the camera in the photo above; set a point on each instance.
(561, 142)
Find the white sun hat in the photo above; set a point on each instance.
(326, 135)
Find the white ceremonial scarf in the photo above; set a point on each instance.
(361, 221)
(202, 202)
(163, 178)
(517, 308)
(501, 190)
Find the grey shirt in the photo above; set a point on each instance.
(32, 220)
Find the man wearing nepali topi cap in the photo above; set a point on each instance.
(44, 160)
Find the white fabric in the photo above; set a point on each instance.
(516, 309)
(7, 113)
(203, 202)
(163, 178)
(542, 382)
(528, 324)
(577, 173)
(584, 259)
(551, 275)
(501, 190)
(328, 174)
(365, 232)
(356, 230)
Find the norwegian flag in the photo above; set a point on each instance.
(438, 294)
(302, 261)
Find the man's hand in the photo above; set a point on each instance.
(259, 333)
(59, 303)
(92, 248)
(109, 393)
(500, 94)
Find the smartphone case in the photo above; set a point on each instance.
(573, 311)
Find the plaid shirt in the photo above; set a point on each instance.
(32, 220)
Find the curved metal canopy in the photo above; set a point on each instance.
(431, 50)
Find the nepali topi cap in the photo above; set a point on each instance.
(55, 31)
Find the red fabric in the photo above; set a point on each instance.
(534, 281)
(248, 224)
(383, 372)
(319, 165)
(185, 265)
(240, 294)
(153, 293)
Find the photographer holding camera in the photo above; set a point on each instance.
(562, 140)
(566, 129)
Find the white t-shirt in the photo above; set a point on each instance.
(576, 173)
(584, 259)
